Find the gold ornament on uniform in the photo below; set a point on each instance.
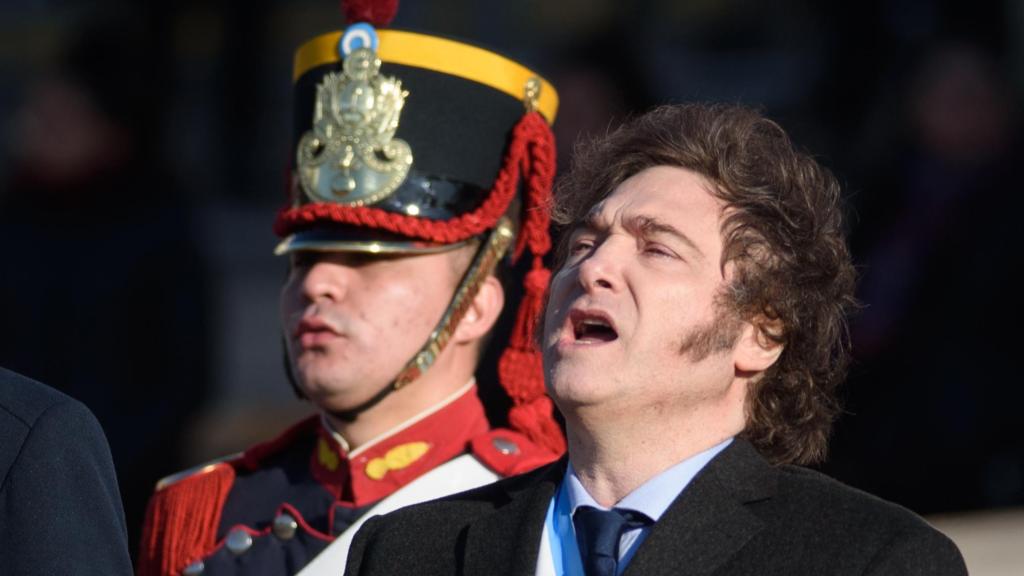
(399, 457)
(351, 156)
(326, 455)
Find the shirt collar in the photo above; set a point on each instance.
(652, 497)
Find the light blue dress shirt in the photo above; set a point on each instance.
(651, 498)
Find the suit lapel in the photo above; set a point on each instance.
(709, 522)
(507, 541)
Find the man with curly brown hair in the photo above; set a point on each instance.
(694, 336)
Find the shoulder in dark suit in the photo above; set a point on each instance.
(740, 515)
(60, 509)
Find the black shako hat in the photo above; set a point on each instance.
(405, 127)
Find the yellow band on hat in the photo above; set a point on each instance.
(440, 55)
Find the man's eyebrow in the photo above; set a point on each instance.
(593, 222)
(645, 225)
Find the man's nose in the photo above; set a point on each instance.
(326, 281)
(602, 268)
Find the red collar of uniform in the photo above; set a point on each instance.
(376, 470)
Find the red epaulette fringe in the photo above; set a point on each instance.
(182, 520)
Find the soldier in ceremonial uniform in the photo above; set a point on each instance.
(420, 164)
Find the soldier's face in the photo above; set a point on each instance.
(352, 321)
(632, 320)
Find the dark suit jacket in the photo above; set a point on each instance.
(60, 509)
(740, 515)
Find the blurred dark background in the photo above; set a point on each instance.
(143, 156)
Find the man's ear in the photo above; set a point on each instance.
(482, 312)
(756, 350)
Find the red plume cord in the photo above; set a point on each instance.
(379, 13)
(530, 129)
(531, 153)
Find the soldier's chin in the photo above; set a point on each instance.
(330, 404)
(315, 388)
(327, 397)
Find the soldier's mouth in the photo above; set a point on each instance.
(313, 332)
(313, 325)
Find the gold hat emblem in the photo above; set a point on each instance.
(351, 156)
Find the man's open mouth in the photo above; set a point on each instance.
(592, 328)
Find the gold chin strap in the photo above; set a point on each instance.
(487, 256)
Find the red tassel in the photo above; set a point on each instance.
(379, 13)
(535, 420)
(521, 371)
(181, 521)
(520, 368)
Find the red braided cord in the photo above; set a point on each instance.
(531, 140)
(539, 166)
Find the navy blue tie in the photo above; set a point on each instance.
(597, 535)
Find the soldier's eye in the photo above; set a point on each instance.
(302, 260)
